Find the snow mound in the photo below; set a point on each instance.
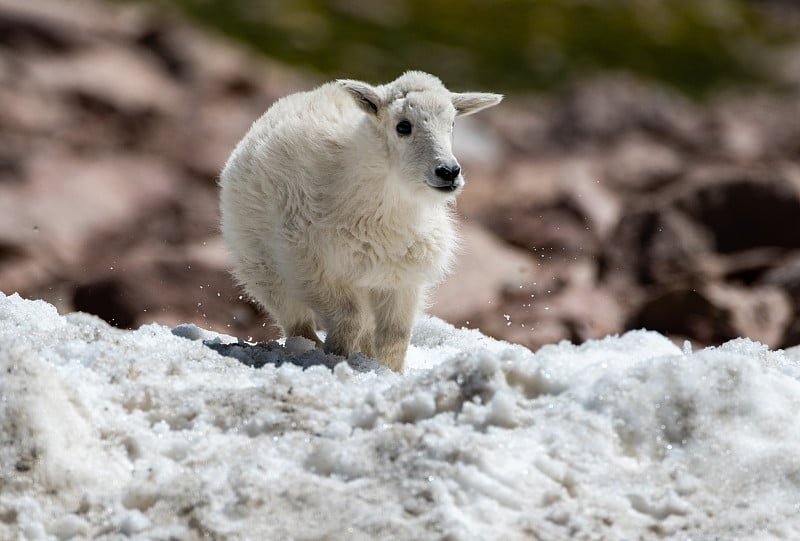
(161, 434)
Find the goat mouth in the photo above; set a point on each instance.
(448, 187)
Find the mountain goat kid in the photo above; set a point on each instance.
(337, 203)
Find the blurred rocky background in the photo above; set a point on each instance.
(644, 170)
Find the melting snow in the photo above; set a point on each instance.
(173, 434)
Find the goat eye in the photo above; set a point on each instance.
(404, 127)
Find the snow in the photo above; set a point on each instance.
(154, 434)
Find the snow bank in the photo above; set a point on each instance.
(108, 434)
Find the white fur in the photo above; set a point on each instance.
(328, 210)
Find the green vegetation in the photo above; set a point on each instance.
(510, 45)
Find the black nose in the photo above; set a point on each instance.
(448, 174)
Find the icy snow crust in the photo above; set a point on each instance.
(109, 434)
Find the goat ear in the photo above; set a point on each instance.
(366, 96)
(467, 103)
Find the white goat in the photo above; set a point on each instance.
(338, 202)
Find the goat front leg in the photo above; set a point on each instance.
(345, 316)
(394, 316)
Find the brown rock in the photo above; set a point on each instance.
(637, 163)
(565, 303)
(583, 187)
(759, 313)
(116, 121)
(524, 128)
(67, 202)
(659, 247)
(112, 114)
(172, 287)
(744, 210)
(119, 77)
(24, 29)
(605, 109)
(552, 231)
(687, 313)
(755, 128)
(786, 275)
(558, 205)
(716, 313)
(484, 268)
(521, 183)
(792, 337)
(476, 145)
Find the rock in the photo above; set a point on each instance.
(484, 268)
(659, 247)
(521, 182)
(684, 313)
(116, 121)
(112, 76)
(606, 203)
(21, 30)
(172, 287)
(552, 231)
(557, 207)
(786, 275)
(759, 313)
(67, 203)
(524, 129)
(716, 313)
(748, 266)
(583, 187)
(606, 109)
(637, 163)
(744, 210)
(565, 303)
(757, 128)
(792, 337)
(477, 145)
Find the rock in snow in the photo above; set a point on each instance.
(150, 434)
